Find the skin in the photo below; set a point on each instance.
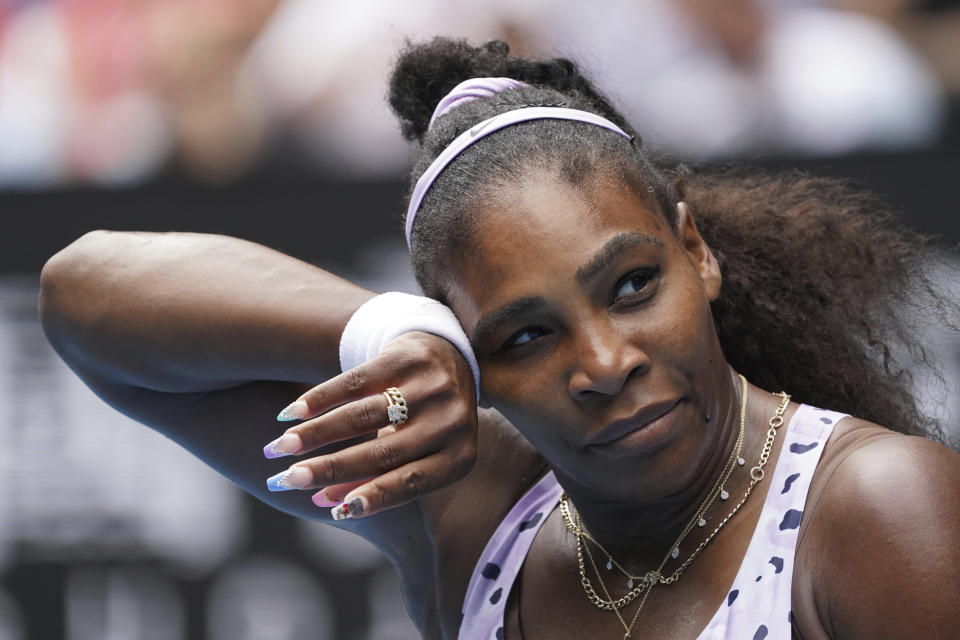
(205, 338)
(595, 348)
(593, 356)
(608, 339)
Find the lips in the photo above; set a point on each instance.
(638, 420)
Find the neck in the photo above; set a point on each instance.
(641, 533)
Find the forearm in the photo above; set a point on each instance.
(183, 312)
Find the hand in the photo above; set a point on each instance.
(434, 448)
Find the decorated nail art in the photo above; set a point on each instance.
(292, 478)
(321, 500)
(294, 411)
(349, 509)
(285, 445)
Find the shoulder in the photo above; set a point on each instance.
(878, 473)
(885, 523)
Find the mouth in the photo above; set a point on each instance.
(644, 418)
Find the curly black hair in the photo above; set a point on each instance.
(822, 286)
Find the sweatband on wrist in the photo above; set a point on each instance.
(389, 315)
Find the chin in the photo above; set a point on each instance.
(641, 467)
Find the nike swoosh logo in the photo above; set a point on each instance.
(477, 129)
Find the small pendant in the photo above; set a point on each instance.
(609, 564)
(630, 584)
(723, 494)
(627, 636)
(741, 461)
(702, 522)
(675, 553)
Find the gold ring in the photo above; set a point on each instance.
(396, 406)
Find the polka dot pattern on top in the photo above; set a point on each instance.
(757, 604)
(502, 558)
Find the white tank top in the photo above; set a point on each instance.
(757, 605)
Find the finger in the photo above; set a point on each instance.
(344, 422)
(348, 421)
(370, 378)
(333, 495)
(299, 476)
(400, 486)
(370, 459)
(359, 462)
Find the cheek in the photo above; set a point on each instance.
(679, 329)
(522, 391)
(549, 433)
(533, 399)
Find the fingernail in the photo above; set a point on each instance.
(285, 445)
(349, 509)
(294, 411)
(321, 500)
(292, 478)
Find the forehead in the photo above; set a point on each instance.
(537, 233)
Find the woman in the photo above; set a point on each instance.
(653, 492)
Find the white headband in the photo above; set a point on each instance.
(478, 131)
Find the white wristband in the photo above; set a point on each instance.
(387, 316)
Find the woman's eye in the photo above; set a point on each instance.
(523, 337)
(634, 284)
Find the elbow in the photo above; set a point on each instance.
(66, 284)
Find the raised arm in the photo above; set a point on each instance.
(183, 312)
(205, 338)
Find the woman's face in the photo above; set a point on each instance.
(590, 318)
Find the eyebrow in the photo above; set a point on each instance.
(619, 243)
(610, 251)
(489, 321)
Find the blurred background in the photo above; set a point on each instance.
(267, 119)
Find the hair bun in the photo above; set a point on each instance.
(426, 72)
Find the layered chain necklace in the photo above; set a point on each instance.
(642, 585)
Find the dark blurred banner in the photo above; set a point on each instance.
(326, 222)
(316, 220)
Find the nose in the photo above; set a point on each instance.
(605, 359)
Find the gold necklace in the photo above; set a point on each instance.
(652, 578)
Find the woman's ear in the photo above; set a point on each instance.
(700, 254)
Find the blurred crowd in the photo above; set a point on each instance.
(115, 92)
